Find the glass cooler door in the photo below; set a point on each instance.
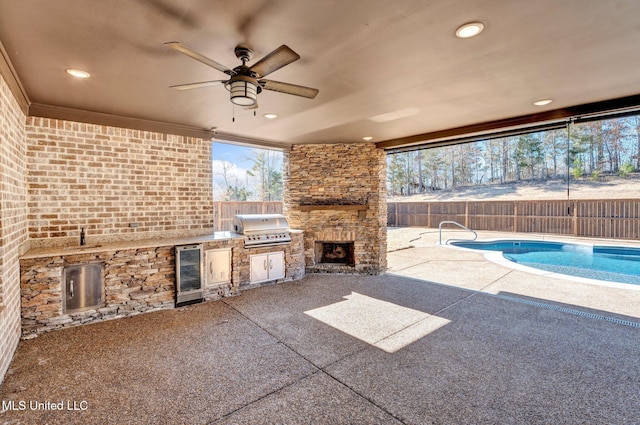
(189, 274)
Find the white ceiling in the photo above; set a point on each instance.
(386, 69)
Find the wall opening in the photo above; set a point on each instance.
(335, 253)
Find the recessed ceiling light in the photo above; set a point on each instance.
(470, 29)
(270, 116)
(367, 138)
(78, 73)
(542, 102)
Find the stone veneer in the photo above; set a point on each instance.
(342, 189)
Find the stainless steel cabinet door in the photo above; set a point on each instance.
(264, 267)
(218, 264)
(83, 288)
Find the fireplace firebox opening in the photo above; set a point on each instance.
(335, 253)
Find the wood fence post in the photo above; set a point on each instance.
(466, 214)
(217, 216)
(395, 214)
(575, 218)
(515, 216)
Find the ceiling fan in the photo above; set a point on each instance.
(246, 82)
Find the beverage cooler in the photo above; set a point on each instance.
(189, 276)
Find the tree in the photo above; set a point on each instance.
(232, 192)
(434, 162)
(554, 149)
(590, 148)
(504, 176)
(580, 149)
(613, 142)
(635, 125)
(226, 167)
(396, 169)
(237, 193)
(266, 167)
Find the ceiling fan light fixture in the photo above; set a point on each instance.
(470, 29)
(243, 92)
(270, 116)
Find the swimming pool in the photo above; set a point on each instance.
(600, 262)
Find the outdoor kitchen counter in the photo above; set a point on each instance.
(41, 252)
(137, 276)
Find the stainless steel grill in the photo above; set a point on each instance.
(262, 229)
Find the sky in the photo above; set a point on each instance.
(240, 157)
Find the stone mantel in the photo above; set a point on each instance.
(308, 208)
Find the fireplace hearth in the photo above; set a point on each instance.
(341, 253)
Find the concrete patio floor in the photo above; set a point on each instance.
(445, 337)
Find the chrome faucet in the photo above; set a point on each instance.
(83, 241)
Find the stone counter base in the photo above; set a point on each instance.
(135, 281)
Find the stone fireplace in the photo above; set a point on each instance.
(336, 193)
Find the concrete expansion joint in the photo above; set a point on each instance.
(279, 341)
(364, 397)
(267, 395)
(318, 369)
(493, 282)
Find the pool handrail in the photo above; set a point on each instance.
(475, 235)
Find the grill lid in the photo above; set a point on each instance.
(260, 224)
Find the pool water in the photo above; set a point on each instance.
(609, 263)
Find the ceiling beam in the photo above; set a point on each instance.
(436, 138)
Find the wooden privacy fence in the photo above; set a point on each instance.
(223, 212)
(611, 218)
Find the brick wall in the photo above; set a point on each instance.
(109, 180)
(336, 175)
(13, 225)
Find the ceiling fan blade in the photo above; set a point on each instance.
(197, 56)
(275, 60)
(190, 86)
(289, 88)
